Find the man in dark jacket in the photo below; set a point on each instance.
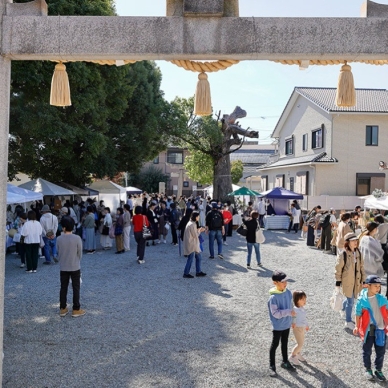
(215, 229)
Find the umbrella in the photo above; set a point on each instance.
(244, 191)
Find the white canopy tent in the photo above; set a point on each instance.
(40, 185)
(110, 192)
(371, 202)
(26, 195)
(208, 191)
(133, 190)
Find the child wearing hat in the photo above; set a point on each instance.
(280, 313)
(371, 322)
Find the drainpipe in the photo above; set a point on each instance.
(313, 186)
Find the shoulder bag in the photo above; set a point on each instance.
(242, 230)
(260, 238)
(147, 234)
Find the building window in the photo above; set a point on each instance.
(367, 182)
(264, 182)
(199, 184)
(289, 146)
(185, 184)
(291, 183)
(279, 180)
(156, 160)
(304, 143)
(302, 182)
(175, 157)
(372, 135)
(317, 138)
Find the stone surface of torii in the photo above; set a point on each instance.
(193, 29)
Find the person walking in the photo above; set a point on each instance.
(89, 223)
(174, 223)
(191, 246)
(127, 227)
(311, 222)
(138, 222)
(105, 239)
(371, 251)
(49, 224)
(31, 232)
(280, 314)
(342, 230)
(69, 256)
(119, 227)
(215, 229)
(349, 275)
(252, 224)
(371, 320)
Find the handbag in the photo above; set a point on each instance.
(242, 230)
(105, 230)
(167, 226)
(118, 230)
(336, 301)
(260, 238)
(147, 234)
(12, 232)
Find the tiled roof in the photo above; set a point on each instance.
(320, 158)
(251, 158)
(367, 100)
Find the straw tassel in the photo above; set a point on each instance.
(203, 102)
(346, 93)
(60, 88)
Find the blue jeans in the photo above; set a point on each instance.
(198, 259)
(215, 235)
(367, 353)
(257, 251)
(347, 306)
(49, 244)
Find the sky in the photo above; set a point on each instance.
(262, 88)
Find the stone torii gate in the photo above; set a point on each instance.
(192, 30)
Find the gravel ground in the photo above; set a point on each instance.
(146, 326)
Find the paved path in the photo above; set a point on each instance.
(146, 326)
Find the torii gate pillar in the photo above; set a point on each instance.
(5, 87)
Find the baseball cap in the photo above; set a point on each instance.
(214, 205)
(64, 210)
(279, 276)
(373, 279)
(350, 236)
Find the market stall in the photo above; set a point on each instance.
(278, 198)
(111, 193)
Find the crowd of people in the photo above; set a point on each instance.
(360, 246)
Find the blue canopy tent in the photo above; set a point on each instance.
(279, 197)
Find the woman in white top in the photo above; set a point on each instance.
(105, 241)
(382, 236)
(32, 231)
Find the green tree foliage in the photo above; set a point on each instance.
(111, 126)
(236, 170)
(199, 167)
(148, 179)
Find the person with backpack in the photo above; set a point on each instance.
(174, 222)
(349, 275)
(215, 229)
(324, 222)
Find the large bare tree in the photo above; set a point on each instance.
(217, 137)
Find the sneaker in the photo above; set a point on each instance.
(63, 312)
(259, 264)
(34, 270)
(164, 242)
(342, 313)
(78, 313)
(225, 243)
(47, 262)
(55, 260)
(211, 257)
(272, 371)
(220, 256)
(301, 358)
(29, 270)
(349, 325)
(188, 276)
(287, 365)
(248, 266)
(22, 265)
(140, 261)
(90, 252)
(369, 374)
(294, 360)
(199, 274)
(379, 375)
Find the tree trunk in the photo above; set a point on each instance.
(222, 180)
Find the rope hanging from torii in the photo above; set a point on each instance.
(345, 97)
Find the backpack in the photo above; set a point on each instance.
(324, 220)
(216, 220)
